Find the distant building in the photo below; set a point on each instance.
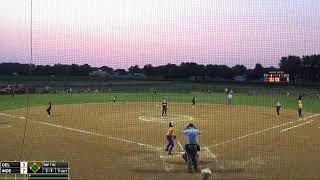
(197, 78)
(99, 73)
(240, 78)
(15, 74)
(139, 75)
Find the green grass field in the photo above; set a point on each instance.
(290, 102)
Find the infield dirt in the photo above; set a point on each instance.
(106, 141)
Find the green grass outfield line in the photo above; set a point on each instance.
(288, 102)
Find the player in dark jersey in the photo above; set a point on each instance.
(12, 91)
(278, 107)
(193, 101)
(49, 109)
(164, 107)
(300, 109)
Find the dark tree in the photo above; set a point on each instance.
(85, 69)
(106, 69)
(258, 72)
(291, 65)
(149, 70)
(134, 69)
(74, 70)
(120, 72)
(311, 67)
(238, 70)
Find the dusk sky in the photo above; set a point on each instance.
(121, 33)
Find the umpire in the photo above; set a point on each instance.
(192, 147)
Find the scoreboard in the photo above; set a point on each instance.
(276, 77)
(32, 170)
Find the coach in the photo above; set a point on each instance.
(192, 134)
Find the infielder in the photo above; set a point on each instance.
(164, 107)
(278, 107)
(193, 101)
(300, 109)
(114, 99)
(49, 109)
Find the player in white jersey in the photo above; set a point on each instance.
(229, 97)
(278, 107)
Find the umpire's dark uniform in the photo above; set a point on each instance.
(192, 146)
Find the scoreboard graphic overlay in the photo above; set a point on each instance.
(275, 77)
(32, 170)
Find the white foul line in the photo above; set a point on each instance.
(1, 114)
(86, 132)
(180, 145)
(250, 134)
(301, 123)
(210, 153)
(5, 126)
(258, 132)
(92, 133)
(145, 118)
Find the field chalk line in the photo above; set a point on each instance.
(85, 132)
(210, 153)
(150, 146)
(180, 145)
(5, 126)
(7, 115)
(302, 123)
(146, 119)
(255, 133)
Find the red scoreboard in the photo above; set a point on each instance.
(276, 77)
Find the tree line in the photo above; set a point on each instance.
(300, 68)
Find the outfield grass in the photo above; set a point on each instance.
(8, 102)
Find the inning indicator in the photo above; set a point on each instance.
(36, 169)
